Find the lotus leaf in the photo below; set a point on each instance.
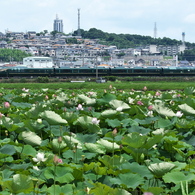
(159, 169)
(30, 138)
(52, 118)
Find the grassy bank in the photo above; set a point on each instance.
(137, 85)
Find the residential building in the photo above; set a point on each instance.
(38, 62)
(58, 25)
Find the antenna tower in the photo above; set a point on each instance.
(79, 30)
(183, 38)
(155, 31)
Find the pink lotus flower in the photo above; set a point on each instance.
(91, 93)
(150, 107)
(157, 93)
(57, 160)
(147, 193)
(140, 103)
(79, 107)
(1, 115)
(145, 88)
(54, 95)
(60, 160)
(25, 90)
(6, 104)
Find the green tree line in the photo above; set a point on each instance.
(8, 55)
(188, 55)
(128, 40)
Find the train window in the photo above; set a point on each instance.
(129, 70)
(122, 71)
(75, 70)
(119, 70)
(153, 70)
(65, 70)
(85, 71)
(139, 70)
(31, 71)
(102, 70)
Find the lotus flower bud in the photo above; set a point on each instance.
(114, 132)
(57, 160)
(145, 88)
(39, 120)
(60, 139)
(6, 104)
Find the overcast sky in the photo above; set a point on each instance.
(172, 17)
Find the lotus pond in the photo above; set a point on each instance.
(98, 142)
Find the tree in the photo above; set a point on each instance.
(188, 55)
(16, 55)
(71, 41)
(54, 33)
(45, 31)
(119, 55)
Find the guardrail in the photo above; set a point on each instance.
(77, 81)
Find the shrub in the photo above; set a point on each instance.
(23, 80)
(42, 79)
(111, 78)
(11, 80)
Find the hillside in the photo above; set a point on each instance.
(128, 40)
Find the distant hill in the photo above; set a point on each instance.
(128, 40)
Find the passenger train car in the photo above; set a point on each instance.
(19, 71)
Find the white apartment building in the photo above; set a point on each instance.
(38, 62)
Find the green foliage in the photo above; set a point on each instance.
(42, 79)
(57, 141)
(126, 40)
(119, 55)
(71, 41)
(111, 78)
(19, 183)
(15, 55)
(23, 80)
(188, 55)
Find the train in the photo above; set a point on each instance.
(65, 72)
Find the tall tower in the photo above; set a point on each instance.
(58, 25)
(79, 30)
(155, 31)
(183, 38)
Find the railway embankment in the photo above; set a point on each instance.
(93, 79)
